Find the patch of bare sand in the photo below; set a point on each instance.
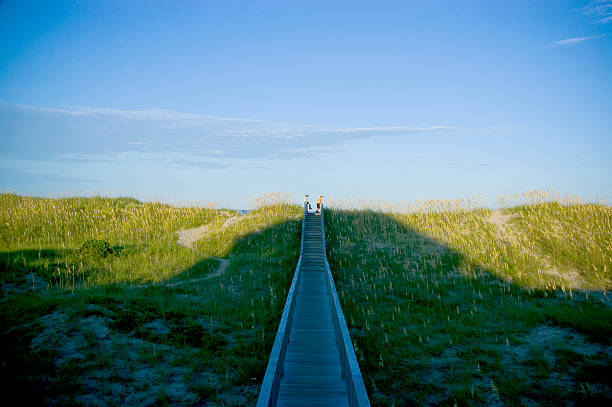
(188, 237)
(115, 368)
(223, 264)
(502, 222)
(546, 338)
(544, 342)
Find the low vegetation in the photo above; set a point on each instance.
(451, 305)
(102, 306)
(114, 301)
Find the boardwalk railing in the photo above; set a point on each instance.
(351, 374)
(274, 372)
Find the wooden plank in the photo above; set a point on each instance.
(312, 372)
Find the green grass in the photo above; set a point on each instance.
(46, 234)
(445, 308)
(446, 305)
(146, 321)
(575, 236)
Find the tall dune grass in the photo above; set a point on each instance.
(455, 304)
(146, 321)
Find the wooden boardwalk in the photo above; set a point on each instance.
(312, 362)
(312, 374)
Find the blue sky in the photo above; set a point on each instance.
(220, 101)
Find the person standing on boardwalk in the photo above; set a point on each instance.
(319, 204)
(306, 203)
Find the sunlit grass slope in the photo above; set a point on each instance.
(45, 234)
(477, 307)
(144, 321)
(575, 237)
(446, 304)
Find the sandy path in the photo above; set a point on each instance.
(187, 238)
(223, 264)
(502, 223)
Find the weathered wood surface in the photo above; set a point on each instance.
(312, 362)
(312, 372)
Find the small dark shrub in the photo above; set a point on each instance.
(204, 391)
(190, 334)
(126, 320)
(193, 334)
(213, 342)
(96, 248)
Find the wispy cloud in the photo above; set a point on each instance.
(12, 175)
(78, 157)
(394, 129)
(158, 114)
(144, 114)
(205, 165)
(568, 42)
(314, 150)
(91, 133)
(599, 11)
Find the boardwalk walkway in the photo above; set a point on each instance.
(312, 372)
(312, 362)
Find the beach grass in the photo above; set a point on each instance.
(116, 301)
(101, 305)
(455, 305)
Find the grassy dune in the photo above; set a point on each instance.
(451, 305)
(446, 303)
(146, 321)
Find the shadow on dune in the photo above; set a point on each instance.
(432, 328)
(429, 327)
(221, 326)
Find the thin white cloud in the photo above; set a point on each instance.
(144, 114)
(78, 157)
(302, 132)
(575, 41)
(51, 132)
(268, 129)
(204, 165)
(42, 109)
(158, 114)
(393, 129)
(315, 150)
(270, 132)
(599, 11)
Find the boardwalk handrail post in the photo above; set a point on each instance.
(303, 224)
(351, 373)
(268, 393)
